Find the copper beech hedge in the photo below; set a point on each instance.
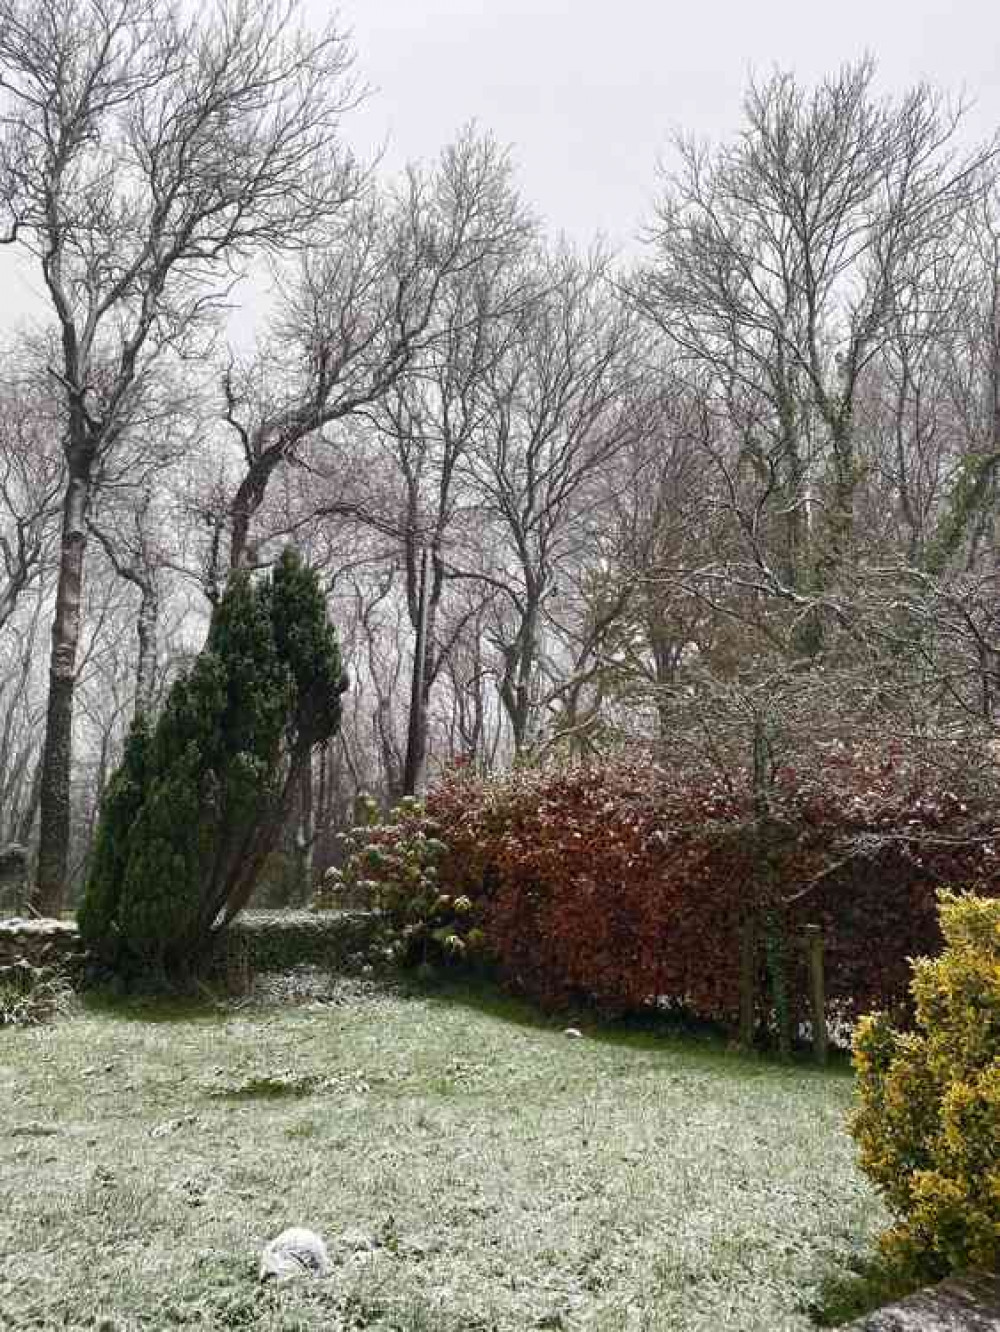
(624, 883)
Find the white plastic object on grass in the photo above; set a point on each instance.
(295, 1252)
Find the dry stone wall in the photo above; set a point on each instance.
(40, 943)
(257, 942)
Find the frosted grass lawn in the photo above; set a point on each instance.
(470, 1167)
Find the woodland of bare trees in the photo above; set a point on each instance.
(735, 495)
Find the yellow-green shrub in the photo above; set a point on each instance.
(928, 1119)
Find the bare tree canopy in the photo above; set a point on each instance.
(781, 264)
(144, 153)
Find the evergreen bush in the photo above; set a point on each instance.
(928, 1121)
(199, 800)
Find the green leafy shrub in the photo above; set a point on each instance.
(399, 867)
(199, 800)
(928, 1119)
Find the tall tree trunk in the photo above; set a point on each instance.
(146, 631)
(518, 687)
(765, 908)
(57, 752)
(839, 536)
(236, 884)
(245, 504)
(416, 737)
(474, 738)
(305, 836)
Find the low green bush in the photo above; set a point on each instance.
(928, 1119)
(281, 940)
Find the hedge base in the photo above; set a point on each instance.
(276, 941)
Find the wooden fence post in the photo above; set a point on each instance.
(748, 978)
(239, 964)
(817, 992)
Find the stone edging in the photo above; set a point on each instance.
(969, 1303)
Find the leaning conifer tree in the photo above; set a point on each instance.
(200, 798)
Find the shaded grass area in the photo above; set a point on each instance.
(470, 1166)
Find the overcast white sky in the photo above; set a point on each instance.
(587, 91)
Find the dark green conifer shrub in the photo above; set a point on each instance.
(199, 801)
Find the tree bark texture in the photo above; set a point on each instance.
(146, 632)
(57, 753)
(416, 739)
(305, 836)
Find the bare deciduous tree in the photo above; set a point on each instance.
(144, 154)
(31, 480)
(560, 410)
(362, 309)
(781, 262)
